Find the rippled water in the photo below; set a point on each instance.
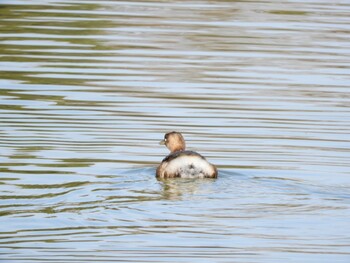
(88, 88)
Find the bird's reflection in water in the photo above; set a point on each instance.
(178, 188)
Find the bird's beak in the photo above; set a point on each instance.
(162, 142)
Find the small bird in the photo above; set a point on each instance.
(182, 163)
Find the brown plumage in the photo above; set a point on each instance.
(182, 163)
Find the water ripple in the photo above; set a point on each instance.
(88, 89)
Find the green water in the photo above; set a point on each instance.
(88, 88)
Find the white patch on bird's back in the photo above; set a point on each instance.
(189, 167)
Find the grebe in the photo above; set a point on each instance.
(182, 163)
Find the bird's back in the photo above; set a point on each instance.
(186, 164)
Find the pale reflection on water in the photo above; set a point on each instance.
(88, 89)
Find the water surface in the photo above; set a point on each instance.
(88, 88)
